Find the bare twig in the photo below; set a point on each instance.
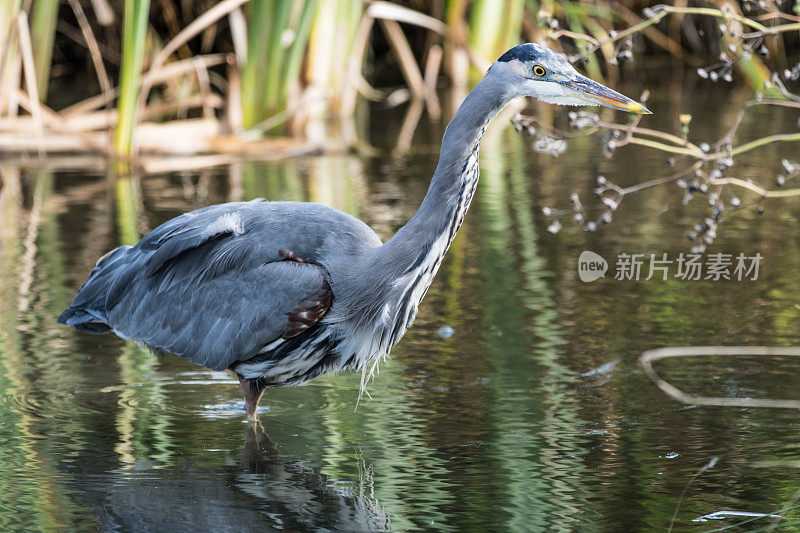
(656, 14)
(354, 65)
(30, 76)
(749, 185)
(431, 75)
(710, 464)
(74, 34)
(405, 56)
(199, 24)
(651, 356)
(693, 179)
(168, 72)
(390, 11)
(94, 47)
(103, 12)
(238, 25)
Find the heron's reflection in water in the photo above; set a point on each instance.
(263, 490)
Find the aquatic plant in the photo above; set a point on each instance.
(43, 28)
(133, 46)
(277, 36)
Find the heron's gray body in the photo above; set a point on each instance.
(281, 292)
(212, 285)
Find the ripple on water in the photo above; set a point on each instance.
(549, 426)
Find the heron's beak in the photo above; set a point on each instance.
(595, 94)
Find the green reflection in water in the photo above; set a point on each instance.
(336, 428)
(487, 430)
(537, 451)
(142, 421)
(37, 375)
(272, 181)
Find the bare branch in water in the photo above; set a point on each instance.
(705, 168)
(651, 356)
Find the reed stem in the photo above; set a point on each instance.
(134, 34)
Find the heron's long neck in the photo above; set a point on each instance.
(431, 230)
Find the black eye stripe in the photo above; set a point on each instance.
(539, 70)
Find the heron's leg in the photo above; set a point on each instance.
(252, 393)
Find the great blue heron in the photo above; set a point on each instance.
(281, 292)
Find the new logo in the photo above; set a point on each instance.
(591, 266)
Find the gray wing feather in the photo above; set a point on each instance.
(212, 287)
(223, 320)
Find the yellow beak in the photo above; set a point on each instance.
(596, 94)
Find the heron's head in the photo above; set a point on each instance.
(534, 70)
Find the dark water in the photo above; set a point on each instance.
(533, 416)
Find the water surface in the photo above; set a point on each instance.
(533, 416)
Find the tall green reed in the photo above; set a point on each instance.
(43, 29)
(494, 28)
(9, 61)
(277, 38)
(331, 48)
(134, 33)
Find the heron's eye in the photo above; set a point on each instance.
(539, 70)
